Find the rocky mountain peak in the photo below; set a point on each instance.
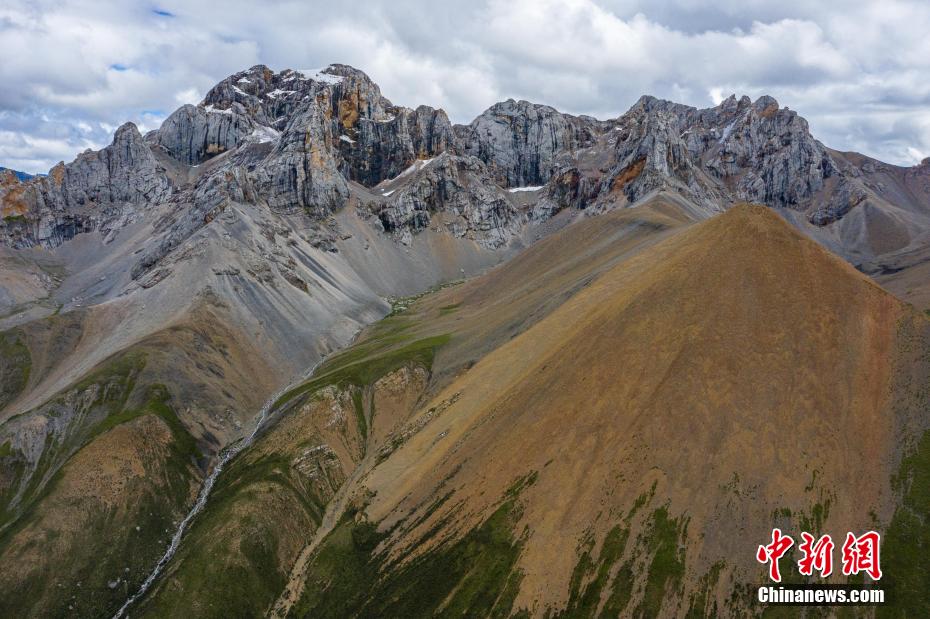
(731, 105)
(127, 132)
(344, 70)
(520, 140)
(8, 177)
(765, 105)
(294, 140)
(647, 104)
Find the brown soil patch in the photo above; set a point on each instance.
(628, 175)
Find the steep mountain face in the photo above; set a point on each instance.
(98, 191)
(296, 139)
(358, 409)
(761, 153)
(374, 139)
(155, 294)
(460, 190)
(520, 140)
(738, 151)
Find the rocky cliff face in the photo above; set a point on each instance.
(766, 154)
(461, 189)
(103, 190)
(373, 138)
(378, 148)
(739, 150)
(520, 140)
(290, 140)
(295, 141)
(302, 169)
(194, 133)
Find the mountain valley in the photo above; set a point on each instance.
(539, 365)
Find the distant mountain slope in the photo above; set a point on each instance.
(732, 379)
(359, 405)
(23, 176)
(97, 365)
(634, 410)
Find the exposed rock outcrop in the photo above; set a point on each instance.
(97, 190)
(375, 149)
(459, 187)
(195, 133)
(519, 140)
(302, 170)
(373, 139)
(294, 141)
(737, 151)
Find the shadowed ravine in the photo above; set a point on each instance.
(226, 456)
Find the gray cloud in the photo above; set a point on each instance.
(858, 71)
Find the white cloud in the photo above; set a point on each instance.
(858, 70)
(190, 95)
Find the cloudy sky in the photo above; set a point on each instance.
(73, 70)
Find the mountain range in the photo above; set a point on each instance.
(304, 352)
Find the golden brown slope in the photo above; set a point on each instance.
(628, 452)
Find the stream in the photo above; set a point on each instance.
(227, 455)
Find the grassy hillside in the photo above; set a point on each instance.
(83, 523)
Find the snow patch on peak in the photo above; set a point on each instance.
(278, 92)
(726, 132)
(415, 167)
(263, 134)
(527, 188)
(318, 75)
(211, 109)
